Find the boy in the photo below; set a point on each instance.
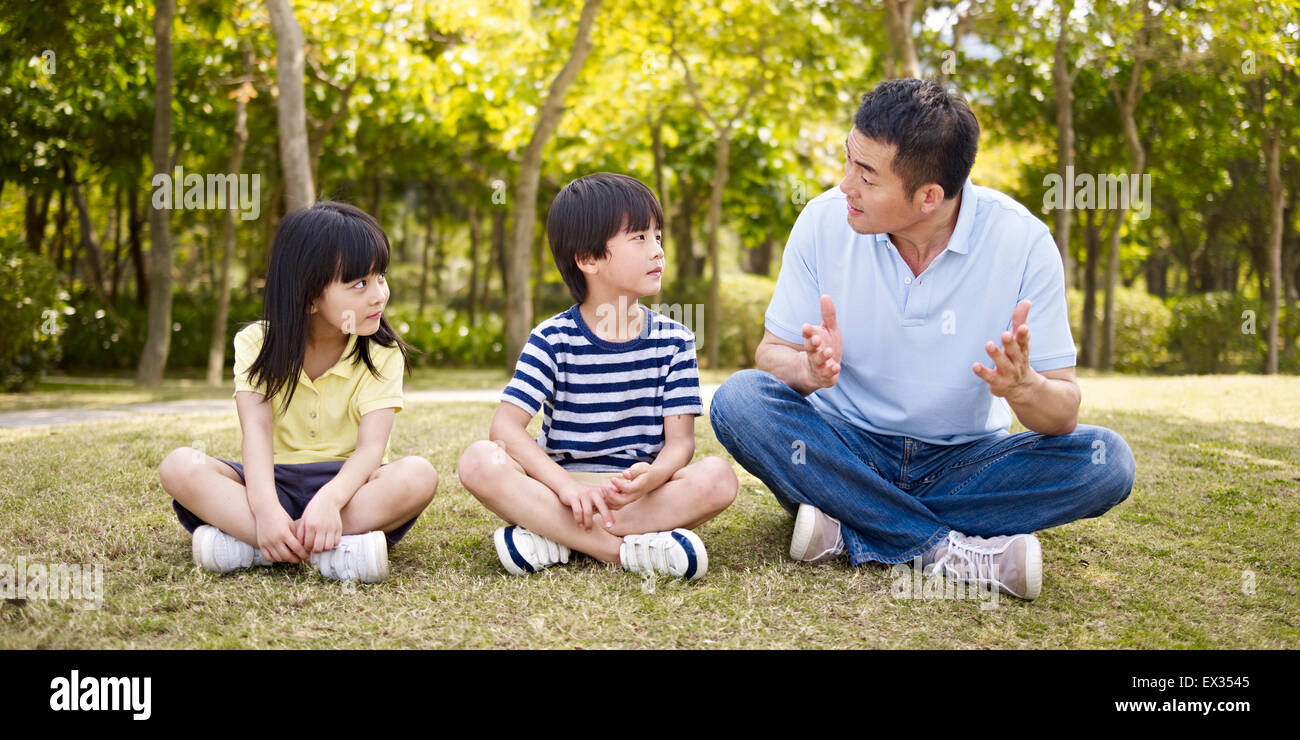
(611, 476)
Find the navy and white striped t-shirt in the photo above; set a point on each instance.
(605, 402)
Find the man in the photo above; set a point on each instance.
(872, 416)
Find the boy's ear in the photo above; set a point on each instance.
(586, 263)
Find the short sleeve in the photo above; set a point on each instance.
(385, 391)
(796, 300)
(682, 387)
(248, 343)
(533, 384)
(1051, 346)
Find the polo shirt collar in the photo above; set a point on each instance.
(345, 366)
(959, 242)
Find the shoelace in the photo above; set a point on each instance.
(648, 552)
(966, 561)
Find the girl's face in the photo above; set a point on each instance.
(353, 308)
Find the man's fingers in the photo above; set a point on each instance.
(999, 357)
(1011, 347)
(828, 314)
(1021, 313)
(1022, 339)
(984, 373)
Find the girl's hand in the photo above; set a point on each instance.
(276, 538)
(321, 526)
(631, 485)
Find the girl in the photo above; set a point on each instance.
(317, 384)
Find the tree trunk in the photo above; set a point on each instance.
(1137, 158)
(116, 280)
(217, 347)
(519, 315)
(1272, 162)
(498, 257)
(134, 227)
(38, 209)
(684, 239)
(898, 21)
(153, 359)
(475, 237)
(291, 111)
(1092, 251)
(661, 186)
(715, 224)
(90, 250)
(1063, 84)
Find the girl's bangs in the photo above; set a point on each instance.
(362, 251)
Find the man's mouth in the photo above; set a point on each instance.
(854, 211)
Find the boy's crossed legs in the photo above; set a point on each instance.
(695, 494)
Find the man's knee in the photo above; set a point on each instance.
(739, 398)
(1115, 468)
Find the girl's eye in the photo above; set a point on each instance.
(359, 283)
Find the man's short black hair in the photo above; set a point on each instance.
(935, 132)
(590, 211)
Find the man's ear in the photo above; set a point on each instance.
(928, 198)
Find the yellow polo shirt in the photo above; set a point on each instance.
(324, 416)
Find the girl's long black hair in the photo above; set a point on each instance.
(314, 247)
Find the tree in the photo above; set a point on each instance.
(295, 155)
(519, 313)
(153, 358)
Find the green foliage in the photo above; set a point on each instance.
(94, 341)
(29, 341)
(1212, 333)
(443, 337)
(1141, 328)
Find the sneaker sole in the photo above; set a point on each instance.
(1033, 569)
(503, 553)
(805, 521)
(701, 554)
(201, 548)
(376, 545)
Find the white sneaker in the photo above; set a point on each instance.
(523, 552)
(817, 537)
(677, 553)
(358, 557)
(219, 552)
(1012, 563)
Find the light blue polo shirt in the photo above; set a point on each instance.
(910, 340)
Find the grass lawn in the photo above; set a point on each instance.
(1203, 554)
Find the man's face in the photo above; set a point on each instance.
(876, 201)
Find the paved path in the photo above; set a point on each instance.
(53, 417)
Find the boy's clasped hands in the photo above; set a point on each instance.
(587, 500)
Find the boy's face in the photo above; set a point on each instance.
(633, 263)
(353, 308)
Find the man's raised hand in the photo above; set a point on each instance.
(1011, 375)
(824, 347)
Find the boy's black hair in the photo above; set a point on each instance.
(590, 211)
(313, 248)
(935, 132)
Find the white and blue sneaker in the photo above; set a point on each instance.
(677, 553)
(358, 557)
(219, 552)
(522, 552)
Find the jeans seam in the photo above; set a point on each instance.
(992, 460)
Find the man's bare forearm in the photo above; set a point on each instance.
(1047, 405)
(787, 364)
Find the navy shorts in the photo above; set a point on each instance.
(295, 484)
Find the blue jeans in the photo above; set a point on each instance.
(897, 498)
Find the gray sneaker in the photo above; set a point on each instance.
(1013, 563)
(817, 537)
